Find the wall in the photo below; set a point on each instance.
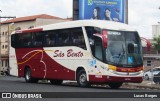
(41, 22)
(156, 30)
(155, 62)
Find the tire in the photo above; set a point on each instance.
(82, 79)
(28, 77)
(115, 85)
(146, 77)
(56, 82)
(156, 80)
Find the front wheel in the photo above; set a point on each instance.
(82, 79)
(28, 77)
(115, 85)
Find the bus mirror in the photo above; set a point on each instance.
(104, 38)
(148, 43)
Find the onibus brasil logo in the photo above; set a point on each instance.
(90, 2)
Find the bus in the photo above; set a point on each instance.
(86, 51)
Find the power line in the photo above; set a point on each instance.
(7, 16)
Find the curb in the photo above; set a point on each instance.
(145, 87)
(142, 86)
(123, 86)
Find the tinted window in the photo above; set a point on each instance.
(77, 38)
(50, 38)
(38, 39)
(26, 39)
(98, 49)
(21, 40)
(91, 31)
(53, 38)
(63, 37)
(14, 40)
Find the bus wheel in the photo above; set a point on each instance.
(115, 85)
(82, 79)
(28, 77)
(56, 82)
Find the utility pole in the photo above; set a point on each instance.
(126, 12)
(1, 38)
(0, 45)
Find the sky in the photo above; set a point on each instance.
(142, 13)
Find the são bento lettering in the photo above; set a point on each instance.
(69, 53)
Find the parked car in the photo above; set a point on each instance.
(148, 75)
(156, 78)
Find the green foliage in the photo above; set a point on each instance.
(90, 2)
(156, 43)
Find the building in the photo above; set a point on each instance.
(156, 30)
(152, 57)
(6, 27)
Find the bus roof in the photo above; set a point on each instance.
(94, 23)
(103, 24)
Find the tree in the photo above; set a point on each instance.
(156, 44)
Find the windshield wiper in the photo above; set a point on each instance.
(121, 54)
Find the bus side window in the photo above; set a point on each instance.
(17, 41)
(98, 49)
(26, 39)
(49, 40)
(38, 39)
(63, 37)
(14, 39)
(77, 38)
(90, 33)
(20, 41)
(92, 30)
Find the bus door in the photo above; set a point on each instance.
(98, 54)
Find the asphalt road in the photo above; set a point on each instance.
(14, 84)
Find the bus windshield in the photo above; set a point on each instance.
(124, 49)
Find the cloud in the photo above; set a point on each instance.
(19, 8)
(143, 14)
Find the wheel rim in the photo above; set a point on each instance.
(83, 79)
(146, 77)
(28, 75)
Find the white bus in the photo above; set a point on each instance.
(87, 51)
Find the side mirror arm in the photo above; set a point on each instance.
(148, 43)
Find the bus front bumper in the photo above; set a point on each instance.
(107, 79)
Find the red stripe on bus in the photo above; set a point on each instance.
(137, 69)
(30, 30)
(108, 79)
